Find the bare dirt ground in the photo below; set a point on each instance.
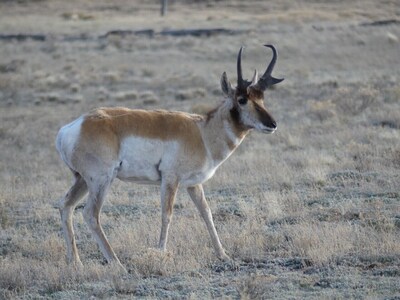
(312, 211)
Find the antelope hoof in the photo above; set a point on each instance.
(224, 257)
(163, 252)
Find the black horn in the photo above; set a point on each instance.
(240, 81)
(267, 80)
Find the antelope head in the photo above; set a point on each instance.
(247, 97)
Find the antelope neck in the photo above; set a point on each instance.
(223, 132)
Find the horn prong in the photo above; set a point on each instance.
(254, 80)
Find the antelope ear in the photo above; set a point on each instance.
(226, 86)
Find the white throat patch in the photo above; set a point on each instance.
(231, 134)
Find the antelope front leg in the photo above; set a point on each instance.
(91, 214)
(197, 195)
(168, 193)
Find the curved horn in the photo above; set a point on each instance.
(240, 81)
(273, 60)
(267, 80)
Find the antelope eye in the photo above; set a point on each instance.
(242, 101)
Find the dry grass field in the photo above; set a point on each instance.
(312, 211)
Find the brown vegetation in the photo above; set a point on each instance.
(312, 211)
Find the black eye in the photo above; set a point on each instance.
(242, 101)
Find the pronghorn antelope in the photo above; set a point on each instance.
(172, 149)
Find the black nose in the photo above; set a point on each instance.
(273, 124)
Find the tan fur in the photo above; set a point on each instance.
(255, 95)
(157, 124)
(104, 128)
(168, 194)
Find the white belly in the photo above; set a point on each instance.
(140, 159)
(145, 160)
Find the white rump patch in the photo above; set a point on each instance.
(67, 139)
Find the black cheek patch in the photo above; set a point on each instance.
(235, 115)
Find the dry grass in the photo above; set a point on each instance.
(312, 211)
